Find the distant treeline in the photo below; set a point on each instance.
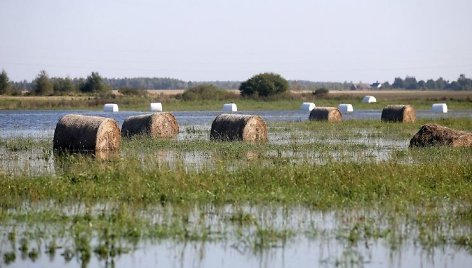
(410, 82)
(44, 85)
(170, 83)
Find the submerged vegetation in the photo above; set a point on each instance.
(355, 182)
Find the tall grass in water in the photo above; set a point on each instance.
(90, 207)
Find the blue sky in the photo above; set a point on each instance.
(318, 40)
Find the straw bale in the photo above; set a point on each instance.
(156, 125)
(86, 133)
(230, 127)
(436, 135)
(330, 114)
(399, 113)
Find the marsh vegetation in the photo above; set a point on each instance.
(354, 185)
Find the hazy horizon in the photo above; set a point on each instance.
(210, 40)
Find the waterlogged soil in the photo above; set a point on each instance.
(292, 147)
(37, 124)
(234, 236)
(87, 234)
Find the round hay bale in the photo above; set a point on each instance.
(86, 133)
(156, 125)
(330, 114)
(231, 127)
(436, 135)
(399, 113)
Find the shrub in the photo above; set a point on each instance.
(205, 92)
(264, 85)
(321, 92)
(133, 92)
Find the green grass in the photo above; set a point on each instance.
(141, 103)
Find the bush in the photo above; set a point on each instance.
(264, 85)
(205, 92)
(133, 92)
(321, 92)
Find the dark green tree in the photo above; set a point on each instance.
(421, 84)
(94, 84)
(441, 83)
(430, 84)
(42, 84)
(410, 82)
(63, 85)
(265, 84)
(386, 85)
(5, 84)
(398, 83)
(464, 82)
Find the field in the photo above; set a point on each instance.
(353, 186)
(456, 100)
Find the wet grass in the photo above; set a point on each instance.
(289, 102)
(257, 197)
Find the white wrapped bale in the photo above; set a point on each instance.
(110, 107)
(439, 108)
(230, 107)
(307, 106)
(369, 99)
(155, 107)
(345, 108)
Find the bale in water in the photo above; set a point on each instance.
(330, 114)
(230, 127)
(436, 135)
(86, 133)
(399, 113)
(156, 125)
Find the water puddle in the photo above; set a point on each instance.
(234, 236)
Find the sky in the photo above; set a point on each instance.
(201, 40)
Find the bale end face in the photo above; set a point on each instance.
(436, 135)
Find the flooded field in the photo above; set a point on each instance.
(326, 195)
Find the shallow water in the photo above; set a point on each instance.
(41, 124)
(320, 240)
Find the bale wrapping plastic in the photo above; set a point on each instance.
(345, 108)
(155, 107)
(307, 106)
(369, 99)
(86, 133)
(439, 108)
(110, 107)
(238, 127)
(156, 125)
(230, 107)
